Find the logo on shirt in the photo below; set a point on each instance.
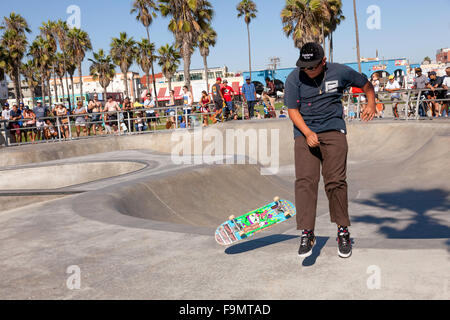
(331, 86)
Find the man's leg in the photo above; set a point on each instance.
(334, 148)
(307, 173)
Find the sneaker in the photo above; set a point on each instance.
(307, 242)
(344, 244)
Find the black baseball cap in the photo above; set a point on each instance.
(310, 55)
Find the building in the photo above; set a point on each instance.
(369, 66)
(91, 86)
(443, 55)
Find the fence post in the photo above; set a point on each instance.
(407, 105)
(176, 117)
(70, 127)
(358, 108)
(58, 122)
(418, 103)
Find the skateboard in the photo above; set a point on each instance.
(245, 226)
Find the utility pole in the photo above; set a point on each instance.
(274, 62)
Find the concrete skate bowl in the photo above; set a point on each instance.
(184, 200)
(19, 187)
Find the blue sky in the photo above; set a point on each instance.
(409, 28)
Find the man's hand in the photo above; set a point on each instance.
(312, 139)
(369, 112)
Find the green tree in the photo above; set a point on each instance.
(145, 11)
(169, 60)
(206, 40)
(31, 74)
(248, 10)
(80, 43)
(15, 42)
(62, 31)
(39, 50)
(188, 18)
(336, 17)
(303, 20)
(145, 54)
(48, 31)
(123, 53)
(102, 69)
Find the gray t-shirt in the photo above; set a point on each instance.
(321, 112)
(40, 112)
(421, 82)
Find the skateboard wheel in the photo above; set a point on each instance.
(276, 199)
(287, 216)
(231, 217)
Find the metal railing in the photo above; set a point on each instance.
(149, 120)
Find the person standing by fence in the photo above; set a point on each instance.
(249, 95)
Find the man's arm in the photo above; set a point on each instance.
(369, 111)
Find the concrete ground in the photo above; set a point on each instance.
(138, 225)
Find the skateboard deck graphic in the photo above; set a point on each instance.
(245, 226)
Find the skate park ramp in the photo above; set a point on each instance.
(63, 175)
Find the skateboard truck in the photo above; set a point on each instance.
(279, 207)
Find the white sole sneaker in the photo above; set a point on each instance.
(307, 254)
(343, 255)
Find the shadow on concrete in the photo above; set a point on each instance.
(420, 202)
(258, 243)
(311, 260)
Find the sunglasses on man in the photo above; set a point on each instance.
(311, 68)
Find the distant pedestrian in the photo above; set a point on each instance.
(249, 95)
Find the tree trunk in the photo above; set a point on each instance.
(153, 72)
(148, 82)
(357, 37)
(42, 87)
(249, 52)
(49, 92)
(125, 80)
(55, 86)
(80, 73)
(62, 89)
(170, 83)
(187, 64)
(205, 63)
(33, 96)
(20, 86)
(67, 83)
(73, 90)
(16, 86)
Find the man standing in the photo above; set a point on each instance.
(446, 93)
(391, 86)
(217, 97)
(313, 95)
(249, 95)
(149, 104)
(433, 94)
(420, 82)
(40, 111)
(228, 95)
(271, 93)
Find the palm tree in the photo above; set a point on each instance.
(31, 74)
(145, 11)
(71, 67)
(80, 43)
(62, 30)
(3, 62)
(336, 17)
(303, 19)
(206, 40)
(15, 42)
(144, 57)
(102, 69)
(16, 45)
(247, 9)
(188, 19)
(60, 71)
(39, 50)
(123, 53)
(48, 31)
(168, 60)
(358, 56)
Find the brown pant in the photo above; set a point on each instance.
(332, 153)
